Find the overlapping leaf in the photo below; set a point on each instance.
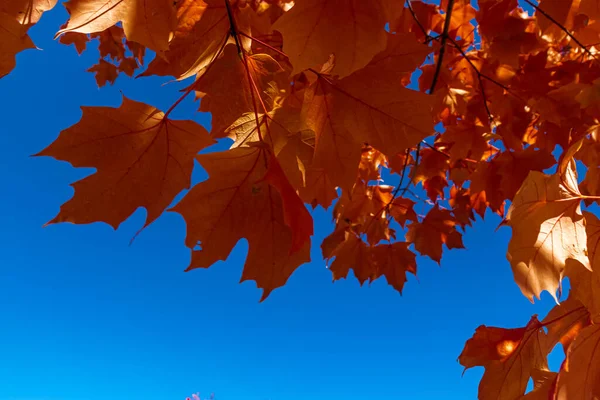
(245, 198)
(548, 229)
(148, 22)
(510, 357)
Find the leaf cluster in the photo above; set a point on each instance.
(321, 104)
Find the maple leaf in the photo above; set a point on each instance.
(365, 210)
(143, 159)
(509, 356)
(203, 28)
(337, 153)
(562, 13)
(26, 12)
(564, 322)
(585, 283)
(437, 228)
(548, 228)
(369, 263)
(245, 77)
(467, 140)
(79, 40)
(105, 72)
(238, 202)
(148, 22)
(312, 31)
(514, 167)
(296, 216)
(367, 107)
(579, 377)
(393, 261)
(463, 204)
(111, 42)
(353, 254)
(128, 65)
(13, 39)
(544, 384)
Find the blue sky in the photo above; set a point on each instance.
(86, 316)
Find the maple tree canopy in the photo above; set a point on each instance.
(322, 105)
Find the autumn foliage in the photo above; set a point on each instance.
(321, 104)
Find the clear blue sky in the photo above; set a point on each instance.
(86, 316)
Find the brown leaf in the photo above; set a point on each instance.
(370, 106)
(237, 202)
(579, 377)
(228, 99)
(437, 228)
(296, 216)
(585, 284)
(510, 357)
(105, 72)
(564, 322)
(312, 30)
(111, 42)
(13, 39)
(369, 263)
(26, 12)
(562, 12)
(548, 228)
(544, 385)
(128, 65)
(514, 168)
(467, 140)
(79, 40)
(202, 29)
(152, 31)
(143, 159)
(393, 261)
(353, 254)
(337, 153)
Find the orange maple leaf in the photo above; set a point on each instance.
(202, 29)
(238, 202)
(13, 39)
(143, 159)
(312, 31)
(26, 12)
(105, 72)
(247, 79)
(579, 377)
(548, 228)
(153, 30)
(437, 228)
(510, 357)
(585, 284)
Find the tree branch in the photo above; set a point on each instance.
(440, 60)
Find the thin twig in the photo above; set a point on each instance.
(436, 74)
(412, 12)
(232, 27)
(438, 66)
(402, 174)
